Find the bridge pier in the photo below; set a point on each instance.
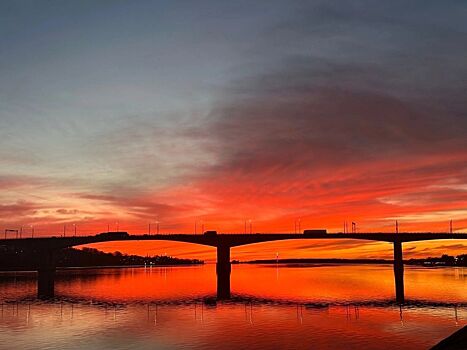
(399, 272)
(46, 276)
(45, 283)
(223, 270)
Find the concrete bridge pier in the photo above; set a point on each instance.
(46, 276)
(223, 270)
(399, 272)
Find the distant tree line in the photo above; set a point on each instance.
(12, 259)
(444, 260)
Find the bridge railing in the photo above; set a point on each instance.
(38, 233)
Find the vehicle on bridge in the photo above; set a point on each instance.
(210, 233)
(319, 232)
(113, 235)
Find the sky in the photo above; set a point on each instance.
(122, 114)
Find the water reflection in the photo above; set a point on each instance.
(290, 307)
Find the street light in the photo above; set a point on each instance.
(196, 226)
(250, 226)
(12, 231)
(297, 224)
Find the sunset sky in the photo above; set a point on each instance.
(218, 112)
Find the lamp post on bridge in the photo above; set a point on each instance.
(196, 226)
(12, 231)
(297, 223)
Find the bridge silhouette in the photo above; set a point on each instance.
(44, 249)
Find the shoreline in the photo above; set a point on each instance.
(292, 262)
(455, 341)
(422, 263)
(59, 268)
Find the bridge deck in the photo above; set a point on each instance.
(232, 240)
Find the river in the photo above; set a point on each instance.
(272, 307)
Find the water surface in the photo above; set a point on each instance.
(272, 307)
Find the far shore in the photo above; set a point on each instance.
(427, 262)
(59, 268)
(443, 261)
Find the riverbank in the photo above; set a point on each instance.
(16, 260)
(456, 341)
(78, 268)
(445, 260)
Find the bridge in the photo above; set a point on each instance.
(45, 247)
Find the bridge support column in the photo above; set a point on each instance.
(399, 272)
(223, 270)
(46, 276)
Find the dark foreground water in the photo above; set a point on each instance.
(285, 307)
